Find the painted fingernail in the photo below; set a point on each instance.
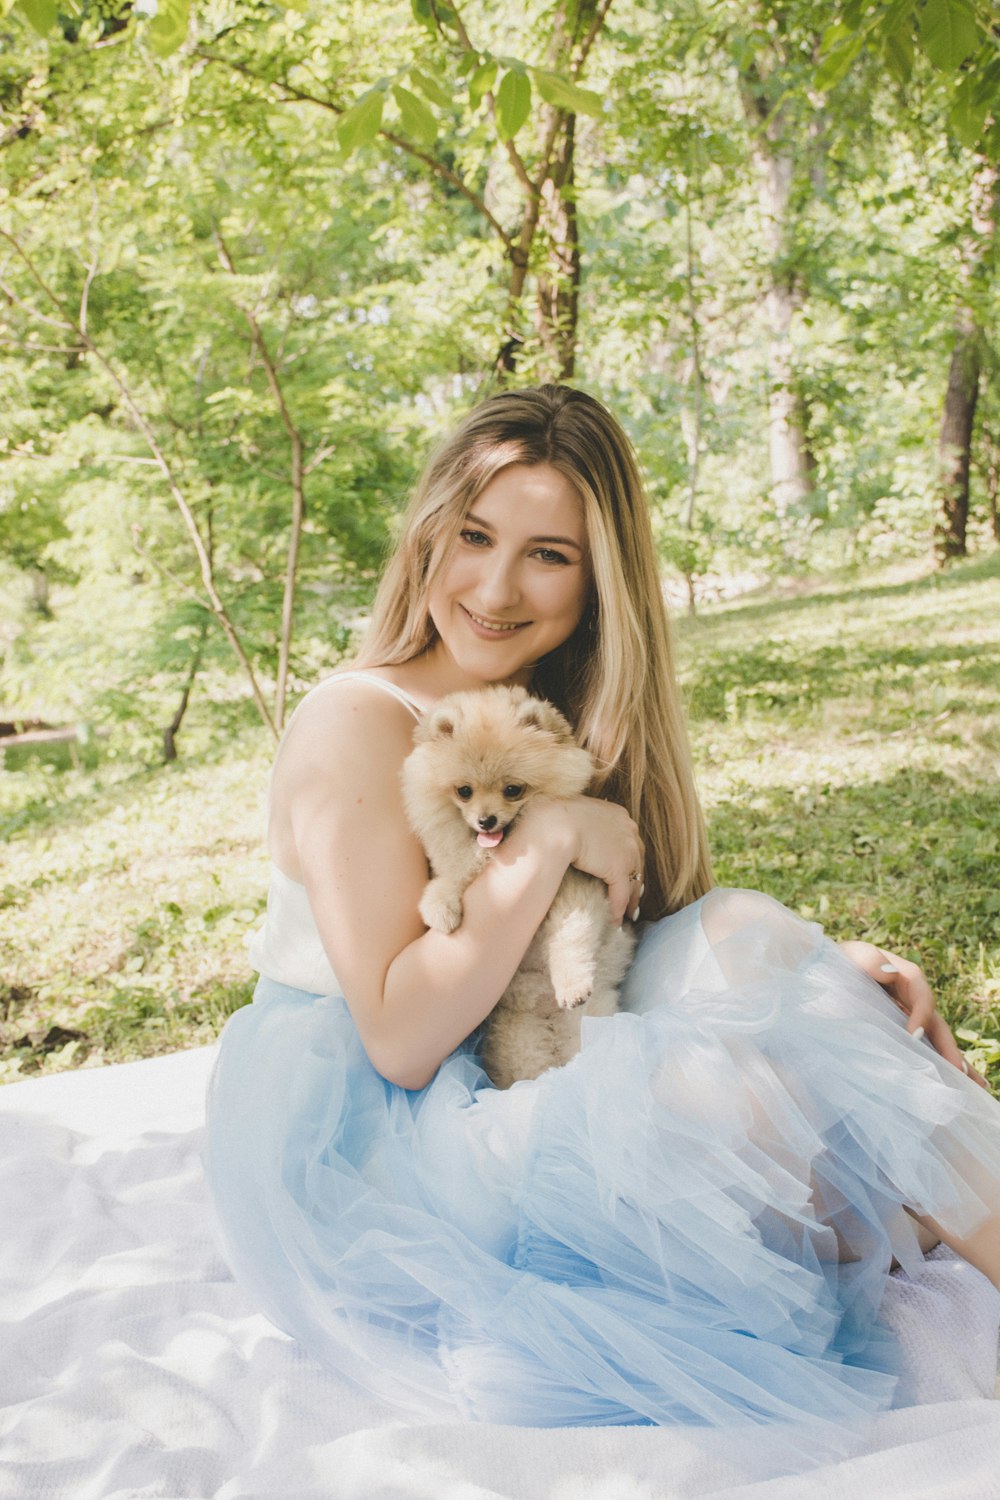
(889, 969)
(965, 1067)
(642, 892)
(635, 915)
(916, 1035)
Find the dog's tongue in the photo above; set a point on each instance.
(489, 840)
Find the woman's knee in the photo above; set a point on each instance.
(751, 927)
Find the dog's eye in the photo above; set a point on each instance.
(512, 791)
(465, 792)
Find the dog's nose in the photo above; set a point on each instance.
(487, 823)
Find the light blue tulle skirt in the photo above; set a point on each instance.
(692, 1222)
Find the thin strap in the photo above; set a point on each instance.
(390, 687)
(382, 682)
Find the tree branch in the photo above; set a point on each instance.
(180, 500)
(298, 473)
(513, 155)
(293, 95)
(600, 17)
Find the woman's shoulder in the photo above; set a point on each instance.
(340, 758)
(348, 712)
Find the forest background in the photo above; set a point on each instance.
(254, 260)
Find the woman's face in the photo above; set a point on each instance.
(516, 581)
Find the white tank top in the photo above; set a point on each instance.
(287, 947)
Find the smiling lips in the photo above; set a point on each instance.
(488, 627)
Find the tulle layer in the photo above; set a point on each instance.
(691, 1222)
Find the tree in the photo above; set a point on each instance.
(966, 364)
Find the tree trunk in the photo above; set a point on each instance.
(172, 729)
(559, 282)
(791, 470)
(550, 207)
(955, 443)
(40, 592)
(958, 419)
(692, 418)
(990, 444)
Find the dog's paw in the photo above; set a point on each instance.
(571, 999)
(441, 912)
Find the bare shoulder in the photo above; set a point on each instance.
(345, 717)
(340, 762)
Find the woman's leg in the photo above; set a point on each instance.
(725, 913)
(981, 1248)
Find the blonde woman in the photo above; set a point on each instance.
(691, 1222)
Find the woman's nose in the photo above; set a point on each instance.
(498, 584)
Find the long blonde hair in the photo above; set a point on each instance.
(614, 678)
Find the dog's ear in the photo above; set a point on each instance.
(439, 724)
(443, 724)
(543, 715)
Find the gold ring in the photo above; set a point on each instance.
(636, 876)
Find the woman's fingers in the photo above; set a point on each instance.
(625, 893)
(609, 846)
(907, 986)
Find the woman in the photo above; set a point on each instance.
(693, 1220)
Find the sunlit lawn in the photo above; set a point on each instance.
(848, 746)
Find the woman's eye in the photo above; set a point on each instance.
(465, 792)
(476, 538)
(513, 791)
(550, 555)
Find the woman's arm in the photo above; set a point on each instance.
(338, 824)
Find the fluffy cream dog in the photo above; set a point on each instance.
(479, 758)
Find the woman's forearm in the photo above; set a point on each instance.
(443, 985)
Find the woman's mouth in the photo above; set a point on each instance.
(492, 630)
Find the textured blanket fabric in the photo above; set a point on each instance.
(131, 1364)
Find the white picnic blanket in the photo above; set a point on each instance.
(131, 1365)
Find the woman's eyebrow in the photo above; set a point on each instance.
(565, 541)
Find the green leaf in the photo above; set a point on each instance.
(837, 63)
(948, 31)
(513, 103)
(969, 109)
(482, 81)
(40, 13)
(431, 88)
(169, 27)
(898, 52)
(418, 121)
(359, 125)
(563, 94)
(898, 17)
(424, 15)
(833, 36)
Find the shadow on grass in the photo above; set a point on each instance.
(957, 575)
(117, 783)
(786, 675)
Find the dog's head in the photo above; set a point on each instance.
(486, 753)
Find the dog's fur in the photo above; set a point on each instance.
(494, 741)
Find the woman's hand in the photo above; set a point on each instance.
(908, 988)
(603, 841)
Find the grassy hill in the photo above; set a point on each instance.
(847, 738)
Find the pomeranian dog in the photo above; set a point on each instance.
(479, 758)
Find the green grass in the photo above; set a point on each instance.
(847, 740)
